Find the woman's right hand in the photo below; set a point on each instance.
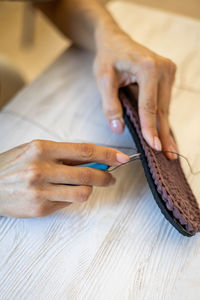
(40, 177)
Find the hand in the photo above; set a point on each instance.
(121, 61)
(39, 177)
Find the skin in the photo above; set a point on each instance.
(119, 61)
(39, 177)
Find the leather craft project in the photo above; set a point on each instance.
(166, 179)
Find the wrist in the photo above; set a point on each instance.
(107, 30)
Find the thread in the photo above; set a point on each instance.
(158, 152)
(180, 155)
(185, 158)
(101, 144)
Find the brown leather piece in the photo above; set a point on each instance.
(168, 175)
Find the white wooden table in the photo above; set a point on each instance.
(117, 245)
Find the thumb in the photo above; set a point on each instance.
(108, 87)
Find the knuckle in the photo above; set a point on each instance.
(33, 173)
(35, 195)
(149, 107)
(37, 147)
(112, 113)
(162, 112)
(85, 176)
(102, 69)
(103, 74)
(173, 67)
(38, 204)
(103, 80)
(149, 64)
(170, 67)
(109, 155)
(84, 193)
(106, 179)
(87, 151)
(38, 210)
(129, 57)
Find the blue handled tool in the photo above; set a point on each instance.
(107, 168)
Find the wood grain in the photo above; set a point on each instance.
(117, 245)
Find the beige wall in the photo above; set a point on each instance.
(186, 7)
(47, 43)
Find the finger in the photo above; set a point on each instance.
(108, 85)
(39, 203)
(68, 194)
(50, 198)
(78, 175)
(54, 206)
(164, 94)
(148, 109)
(83, 152)
(47, 209)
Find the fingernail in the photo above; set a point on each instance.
(122, 158)
(112, 181)
(172, 155)
(117, 126)
(157, 143)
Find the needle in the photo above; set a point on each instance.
(107, 168)
(132, 158)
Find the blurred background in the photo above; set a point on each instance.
(33, 47)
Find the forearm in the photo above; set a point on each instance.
(83, 21)
(120, 61)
